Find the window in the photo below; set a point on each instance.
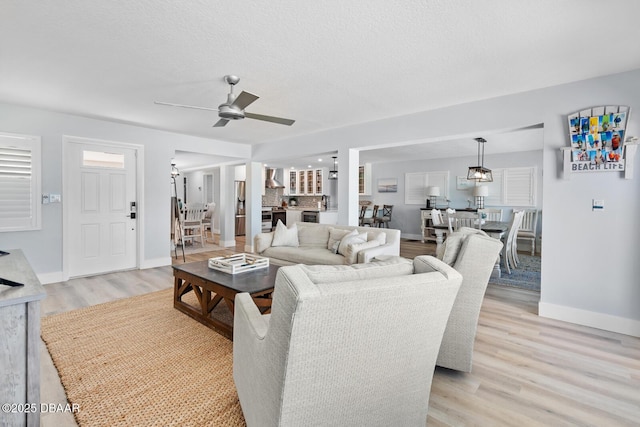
(102, 160)
(416, 184)
(512, 187)
(20, 182)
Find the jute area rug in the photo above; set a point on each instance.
(140, 362)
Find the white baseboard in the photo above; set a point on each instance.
(607, 322)
(55, 277)
(227, 243)
(155, 262)
(58, 276)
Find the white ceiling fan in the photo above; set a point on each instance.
(233, 109)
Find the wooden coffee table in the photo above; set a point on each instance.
(212, 288)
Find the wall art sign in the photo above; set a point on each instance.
(597, 138)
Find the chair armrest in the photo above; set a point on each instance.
(262, 241)
(366, 255)
(247, 318)
(428, 264)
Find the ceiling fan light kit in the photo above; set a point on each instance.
(480, 173)
(233, 109)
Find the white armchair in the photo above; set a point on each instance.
(344, 345)
(473, 254)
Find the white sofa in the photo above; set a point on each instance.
(344, 345)
(313, 242)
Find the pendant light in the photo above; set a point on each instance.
(334, 173)
(480, 173)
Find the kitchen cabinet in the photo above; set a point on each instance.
(302, 182)
(319, 182)
(293, 216)
(293, 183)
(308, 182)
(364, 180)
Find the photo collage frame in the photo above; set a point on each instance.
(597, 138)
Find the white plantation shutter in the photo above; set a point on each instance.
(415, 188)
(19, 182)
(512, 187)
(520, 188)
(416, 183)
(495, 188)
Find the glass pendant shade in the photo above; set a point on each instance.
(480, 173)
(333, 174)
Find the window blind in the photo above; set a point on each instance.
(512, 187)
(416, 183)
(19, 182)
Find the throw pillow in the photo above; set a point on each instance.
(351, 239)
(351, 254)
(379, 236)
(335, 235)
(313, 235)
(284, 236)
(448, 252)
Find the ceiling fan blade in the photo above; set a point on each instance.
(185, 106)
(271, 119)
(244, 99)
(220, 123)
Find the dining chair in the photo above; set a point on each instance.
(462, 219)
(192, 225)
(508, 257)
(528, 228)
(363, 212)
(490, 214)
(385, 218)
(369, 220)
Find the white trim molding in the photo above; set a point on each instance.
(592, 319)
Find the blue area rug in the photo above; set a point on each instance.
(526, 276)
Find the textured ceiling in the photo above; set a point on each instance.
(325, 64)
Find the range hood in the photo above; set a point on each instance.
(271, 181)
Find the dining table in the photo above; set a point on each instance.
(495, 229)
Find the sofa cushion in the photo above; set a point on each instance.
(304, 255)
(392, 266)
(351, 254)
(448, 252)
(284, 236)
(313, 235)
(351, 239)
(379, 236)
(335, 235)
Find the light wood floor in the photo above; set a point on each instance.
(528, 371)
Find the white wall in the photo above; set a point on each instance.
(43, 248)
(579, 282)
(407, 217)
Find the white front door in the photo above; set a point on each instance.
(101, 197)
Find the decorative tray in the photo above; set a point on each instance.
(238, 263)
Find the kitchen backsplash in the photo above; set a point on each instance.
(274, 197)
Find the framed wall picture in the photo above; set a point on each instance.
(388, 185)
(462, 183)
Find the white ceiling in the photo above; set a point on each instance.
(527, 139)
(325, 64)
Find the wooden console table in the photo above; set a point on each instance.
(20, 349)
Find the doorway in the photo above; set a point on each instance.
(101, 209)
